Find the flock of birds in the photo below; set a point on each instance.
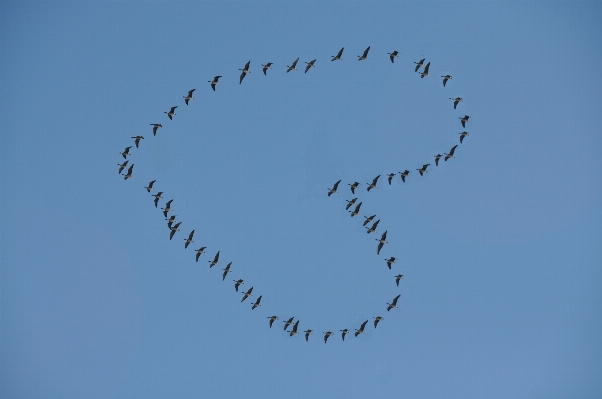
(174, 225)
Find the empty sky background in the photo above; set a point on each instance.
(500, 248)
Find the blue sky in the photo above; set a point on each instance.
(501, 292)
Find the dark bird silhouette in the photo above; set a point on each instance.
(393, 305)
(266, 67)
(350, 203)
(437, 158)
(167, 207)
(137, 140)
(126, 152)
(129, 174)
(199, 252)
(368, 219)
(215, 260)
(364, 56)
(425, 72)
(257, 302)
(247, 294)
(245, 71)
(310, 64)
(390, 177)
(423, 170)
(174, 228)
(373, 184)
(155, 127)
(393, 55)
(361, 329)
(288, 323)
(334, 188)
(189, 239)
(391, 261)
(451, 153)
(327, 334)
(214, 82)
(456, 101)
(462, 135)
(171, 221)
(150, 186)
(226, 270)
(356, 211)
(157, 197)
(445, 79)
(171, 113)
(464, 120)
(404, 174)
(397, 278)
(373, 228)
(122, 166)
(377, 319)
(353, 187)
(272, 319)
(292, 67)
(381, 242)
(294, 330)
(238, 283)
(189, 96)
(338, 56)
(419, 64)
(307, 332)
(343, 333)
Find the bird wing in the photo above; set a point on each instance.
(242, 76)
(363, 325)
(395, 299)
(190, 235)
(380, 246)
(340, 52)
(171, 234)
(451, 152)
(357, 208)
(366, 51)
(336, 186)
(307, 67)
(247, 65)
(375, 180)
(426, 68)
(384, 237)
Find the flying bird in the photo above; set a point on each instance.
(364, 56)
(214, 82)
(373, 184)
(256, 304)
(425, 72)
(437, 158)
(391, 261)
(361, 329)
(334, 188)
(456, 101)
(171, 221)
(266, 67)
(189, 96)
(393, 305)
(451, 153)
(199, 252)
(245, 70)
(343, 333)
(390, 177)
(445, 79)
(353, 187)
(155, 127)
(423, 170)
(356, 211)
(126, 152)
(167, 208)
(373, 228)
(292, 67)
(189, 239)
(137, 140)
(404, 174)
(247, 294)
(310, 64)
(419, 64)
(215, 260)
(226, 271)
(272, 319)
(462, 135)
(327, 334)
(157, 197)
(237, 283)
(122, 166)
(288, 323)
(381, 242)
(171, 113)
(174, 228)
(368, 219)
(150, 186)
(129, 174)
(397, 278)
(307, 332)
(350, 203)
(393, 55)
(464, 120)
(294, 330)
(377, 319)
(338, 56)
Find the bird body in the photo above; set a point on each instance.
(393, 304)
(167, 208)
(361, 329)
(155, 127)
(391, 261)
(445, 79)
(393, 55)
(343, 333)
(338, 56)
(150, 186)
(237, 283)
(456, 101)
(294, 330)
(373, 228)
(215, 260)
(157, 196)
(423, 170)
(247, 294)
(377, 319)
(266, 67)
(257, 302)
(368, 219)
(381, 242)
(437, 158)
(397, 278)
(390, 177)
(171, 113)
(174, 228)
(327, 334)
(122, 166)
(364, 56)
(189, 96)
(462, 135)
(425, 72)
(451, 153)
(356, 211)
(373, 184)
(126, 152)
(272, 319)
(245, 71)
(419, 64)
(292, 67)
(129, 174)
(310, 64)
(404, 174)
(199, 252)
(464, 120)
(288, 323)
(350, 203)
(137, 140)
(334, 188)
(353, 187)
(307, 332)
(189, 239)
(226, 271)
(214, 82)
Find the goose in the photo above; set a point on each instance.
(334, 188)
(129, 174)
(423, 170)
(266, 67)
(174, 228)
(122, 166)
(456, 101)
(292, 67)
(245, 70)
(390, 177)
(353, 187)
(393, 305)
(381, 242)
(189, 239)
(361, 329)
(377, 319)
(307, 332)
(425, 72)
(445, 79)
(373, 184)
(350, 203)
(247, 294)
(437, 158)
(199, 252)
(237, 283)
(167, 208)
(397, 278)
(189, 96)
(126, 152)
(464, 120)
(404, 174)
(214, 82)
(171, 221)
(364, 56)
(226, 270)
(155, 127)
(338, 56)
(373, 228)
(343, 333)
(149, 188)
(294, 330)
(157, 196)
(419, 64)
(393, 55)
(215, 260)
(310, 64)
(171, 113)
(391, 261)
(356, 211)
(288, 323)
(368, 219)
(326, 335)
(451, 153)
(272, 319)
(256, 304)
(137, 140)
(462, 135)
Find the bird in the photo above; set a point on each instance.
(126, 152)
(155, 127)
(307, 332)
(364, 56)
(353, 187)
(356, 211)
(157, 197)
(189, 96)
(456, 101)
(214, 82)
(423, 170)
(419, 64)
(361, 329)
(310, 64)
(167, 208)
(245, 70)
(122, 166)
(462, 135)
(373, 184)
(343, 333)
(391, 261)
(215, 260)
(237, 283)
(381, 242)
(129, 174)
(393, 55)
(150, 186)
(451, 153)
(247, 294)
(327, 334)
(397, 278)
(272, 319)
(171, 221)
(373, 228)
(226, 270)
(266, 67)
(437, 158)
(393, 305)
(404, 174)
(350, 203)
(390, 177)
(368, 219)
(445, 79)
(199, 252)
(377, 319)
(137, 140)
(294, 330)
(425, 72)
(174, 228)
(292, 67)
(334, 188)
(338, 56)
(464, 120)
(189, 239)
(288, 323)
(171, 113)
(256, 304)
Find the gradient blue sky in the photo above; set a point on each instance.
(500, 247)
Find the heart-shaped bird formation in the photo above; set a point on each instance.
(370, 223)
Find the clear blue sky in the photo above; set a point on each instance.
(500, 248)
